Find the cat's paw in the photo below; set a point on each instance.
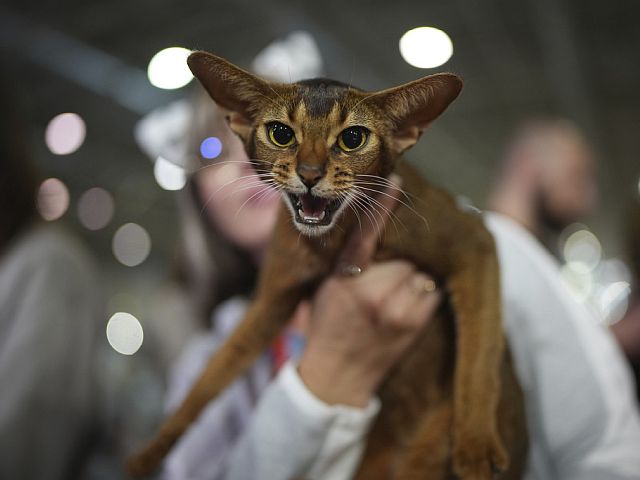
(479, 457)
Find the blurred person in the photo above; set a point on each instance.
(50, 316)
(547, 179)
(582, 417)
(627, 330)
(326, 401)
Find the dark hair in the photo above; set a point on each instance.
(18, 180)
(210, 267)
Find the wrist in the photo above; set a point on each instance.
(335, 379)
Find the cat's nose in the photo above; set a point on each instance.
(310, 174)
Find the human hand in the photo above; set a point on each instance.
(359, 326)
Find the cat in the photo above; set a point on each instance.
(451, 407)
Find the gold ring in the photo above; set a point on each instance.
(424, 286)
(429, 286)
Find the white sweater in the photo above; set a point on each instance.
(582, 415)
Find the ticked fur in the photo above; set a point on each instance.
(439, 416)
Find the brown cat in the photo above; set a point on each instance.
(451, 408)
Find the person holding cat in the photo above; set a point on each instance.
(221, 445)
(313, 416)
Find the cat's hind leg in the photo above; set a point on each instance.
(428, 455)
(478, 450)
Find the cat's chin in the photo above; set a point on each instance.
(313, 230)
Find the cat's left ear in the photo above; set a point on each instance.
(413, 106)
(232, 88)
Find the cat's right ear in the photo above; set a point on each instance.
(232, 88)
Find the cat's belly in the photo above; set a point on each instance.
(420, 381)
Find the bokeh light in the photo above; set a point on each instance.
(579, 282)
(124, 333)
(613, 270)
(289, 59)
(168, 68)
(65, 133)
(614, 301)
(211, 147)
(52, 199)
(426, 47)
(582, 251)
(169, 175)
(95, 208)
(131, 244)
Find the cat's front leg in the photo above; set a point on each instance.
(280, 289)
(478, 451)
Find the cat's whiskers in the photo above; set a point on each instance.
(385, 182)
(223, 163)
(215, 192)
(370, 202)
(266, 194)
(256, 182)
(250, 198)
(346, 199)
(392, 215)
(367, 209)
(413, 210)
(378, 181)
(250, 186)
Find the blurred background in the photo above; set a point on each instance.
(85, 71)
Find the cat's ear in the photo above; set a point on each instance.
(413, 106)
(232, 88)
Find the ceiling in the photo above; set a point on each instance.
(575, 58)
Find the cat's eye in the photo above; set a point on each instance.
(352, 138)
(280, 134)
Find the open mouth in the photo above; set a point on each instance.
(312, 210)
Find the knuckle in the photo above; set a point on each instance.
(396, 320)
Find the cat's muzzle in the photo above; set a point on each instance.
(312, 210)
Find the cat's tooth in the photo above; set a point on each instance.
(311, 218)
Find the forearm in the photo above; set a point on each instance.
(292, 433)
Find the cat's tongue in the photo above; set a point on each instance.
(313, 208)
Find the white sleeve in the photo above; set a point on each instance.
(582, 416)
(288, 433)
(292, 433)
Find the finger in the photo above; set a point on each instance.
(424, 308)
(404, 308)
(361, 245)
(380, 282)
